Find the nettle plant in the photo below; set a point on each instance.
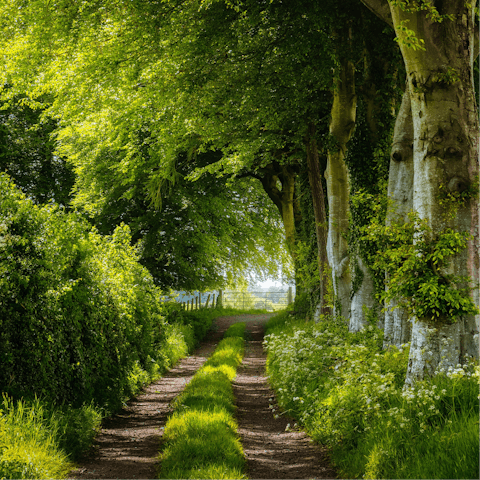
(416, 260)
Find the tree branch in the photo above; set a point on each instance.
(381, 9)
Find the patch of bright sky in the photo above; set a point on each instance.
(269, 283)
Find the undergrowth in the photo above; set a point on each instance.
(40, 440)
(200, 437)
(30, 440)
(349, 394)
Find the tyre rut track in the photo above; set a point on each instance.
(271, 451)
(129, 442)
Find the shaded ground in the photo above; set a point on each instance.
(271, 452)
(128, 444)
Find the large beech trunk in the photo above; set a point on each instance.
(363, 300)
(376, 67)
(315, 180)
(338, 189)
(400, 193)
(445, 155)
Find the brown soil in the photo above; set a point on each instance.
(270, 450)
(128, 444)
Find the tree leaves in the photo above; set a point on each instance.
(416, 261)
(78, 310)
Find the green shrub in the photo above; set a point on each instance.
(82, 324)
(80, 316)
(178, 342)
(200, 320)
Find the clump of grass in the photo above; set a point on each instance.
(200, 437)
(38, 440)
(75, 428)
(28, 443)
(236, 330)
(202, 440)
(349, 394)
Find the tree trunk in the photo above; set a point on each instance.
(315, 180)
(445, 155)
(400, 193)
(363, 298)
(278, 181)
(342, 125)
(288, 208)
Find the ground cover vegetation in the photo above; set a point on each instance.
(348, 392)
(200, 437)
(339, 137)
(42, 439)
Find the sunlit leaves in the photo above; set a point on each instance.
(78, 310)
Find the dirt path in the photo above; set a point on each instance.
(271, 452)
(128, 444)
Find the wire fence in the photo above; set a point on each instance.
(242, 300)
(270, 301)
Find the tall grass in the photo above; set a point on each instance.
(200, 437)
(349, 394)
(29, 443)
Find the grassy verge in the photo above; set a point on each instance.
(200, 437)
(28, 450)
(348, 393)
(40, 440)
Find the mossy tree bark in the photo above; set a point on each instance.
(400, 193)
(445, 157)
(342, 125)
(318, 197)
(279, 183)
(375, 119)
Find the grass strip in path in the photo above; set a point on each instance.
(127, 446)
(200, 437)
